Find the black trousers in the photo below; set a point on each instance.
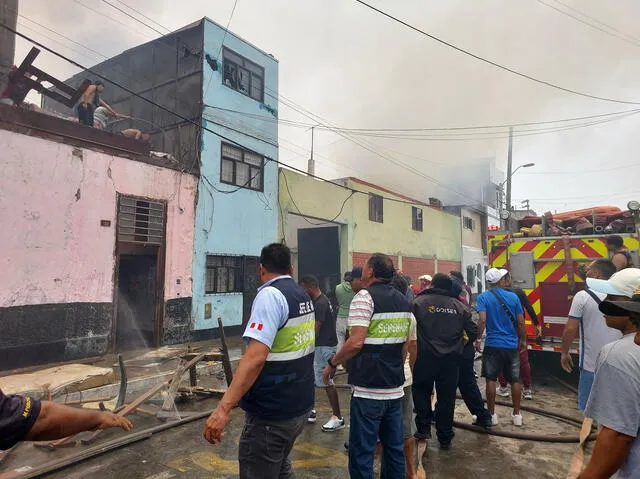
(469, 390)
(443, 373)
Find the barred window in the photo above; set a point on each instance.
(140, 221)
(223, 274)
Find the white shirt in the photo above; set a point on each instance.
(360, 314)
(594, 332)
(413, 336)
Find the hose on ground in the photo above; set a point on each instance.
(559, 438)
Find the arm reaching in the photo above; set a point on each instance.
(609, 453)
(56, 421)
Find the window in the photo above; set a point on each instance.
(140, 221)
(375, 208)
(468, 223)
(242, 168)
(243, 75)
(223, 274)
(416, 218)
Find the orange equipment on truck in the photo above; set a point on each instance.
(546, 268)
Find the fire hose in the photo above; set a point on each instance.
(560, 438)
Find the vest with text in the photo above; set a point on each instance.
(285, 387)
(379, 363)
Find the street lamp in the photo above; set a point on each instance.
(508, 182)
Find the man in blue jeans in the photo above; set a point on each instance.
(379, 321)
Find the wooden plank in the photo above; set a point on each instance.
(175, 381)
(226, 362)
(577, 461)
(207, 357)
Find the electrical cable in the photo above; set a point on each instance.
(493, 63)
(113, 19)
(143, 15)
(50, 50)
(622, 36)
(286, 183)
(131, 16)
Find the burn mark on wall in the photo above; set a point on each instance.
(38, 334)
(177, 321)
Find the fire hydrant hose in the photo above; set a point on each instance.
(559, 438)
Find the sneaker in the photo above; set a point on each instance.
(445, 446)
(340, 367)
(494, 420)
(486, 423)
(528, 394)
(517, 419)
(423, 436)
(334, 424)
(312, 417)
(503, 391)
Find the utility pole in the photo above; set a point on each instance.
(8, 17)
(509, 168)
(311, 166)
(526, 205)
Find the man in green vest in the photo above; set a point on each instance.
(345, 292)
(379, 321)
(274, 381)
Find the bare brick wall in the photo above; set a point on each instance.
(360, 259)
(416, 267)
(447, 266)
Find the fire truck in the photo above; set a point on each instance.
(545, 254)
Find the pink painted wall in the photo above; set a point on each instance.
(52, 247)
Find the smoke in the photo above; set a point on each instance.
(358, 69)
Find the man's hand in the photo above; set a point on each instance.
(478, 345)
(214, 427)
(522, 346)
(566, 361)
(539, 331)
(108, 420)
(327, 374)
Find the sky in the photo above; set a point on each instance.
(348, 66)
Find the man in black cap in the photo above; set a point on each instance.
(613, 401)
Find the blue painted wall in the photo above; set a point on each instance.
(240, 223)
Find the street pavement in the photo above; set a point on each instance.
(182, 452)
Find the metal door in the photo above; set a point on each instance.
(319, 255)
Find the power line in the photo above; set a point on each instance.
(143, 15)
(131, 16)
(183, 118)
(493, 63)
(614, 33)
(226, 29)
(112, 19)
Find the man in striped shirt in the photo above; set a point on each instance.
(379, 321)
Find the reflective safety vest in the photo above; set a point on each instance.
(379, 363)
(285, 387)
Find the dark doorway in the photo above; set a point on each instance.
(319, 255)
(135, 324)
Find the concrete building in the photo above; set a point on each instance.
(97, 241)
(334, 226)
(220, 124)
(473, 228)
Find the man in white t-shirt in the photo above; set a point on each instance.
(613, 402)
(594, 332)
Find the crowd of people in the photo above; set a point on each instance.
(396, 352)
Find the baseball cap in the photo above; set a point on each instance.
(622, 283)
(612, 308)
(426, 277)
(494, 275)
(356, 272)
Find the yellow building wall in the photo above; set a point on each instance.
(440, 238)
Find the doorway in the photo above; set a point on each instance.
(319, 255)
(139, 292)
(135, 323)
